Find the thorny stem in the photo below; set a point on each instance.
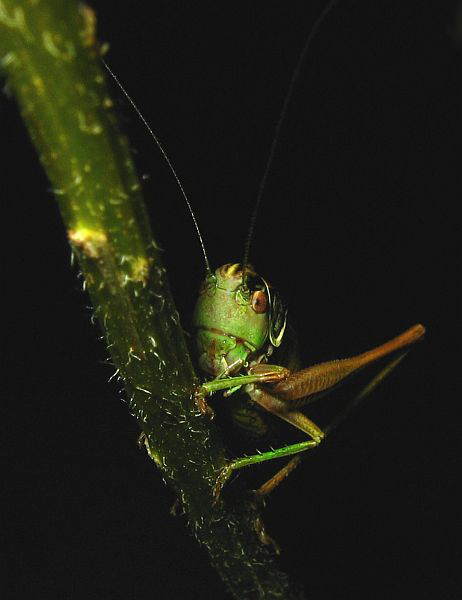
(50, 57)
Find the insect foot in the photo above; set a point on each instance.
(222, 478)
(264, 538)
(204, 408)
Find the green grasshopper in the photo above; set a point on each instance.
(239, 320)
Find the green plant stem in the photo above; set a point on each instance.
(50, 56)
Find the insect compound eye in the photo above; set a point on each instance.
(259, 302)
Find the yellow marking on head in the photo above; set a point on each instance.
(235, 269)
(232, 269)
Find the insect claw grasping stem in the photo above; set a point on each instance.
(202, 405)
(223, 476)
(264, 538)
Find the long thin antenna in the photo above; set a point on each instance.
(277, 132)
(164, 154)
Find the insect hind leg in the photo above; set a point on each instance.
(283, 473)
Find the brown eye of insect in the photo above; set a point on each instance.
(259, 302)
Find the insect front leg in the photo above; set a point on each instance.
(266, 374)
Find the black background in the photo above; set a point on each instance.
(359, 228)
